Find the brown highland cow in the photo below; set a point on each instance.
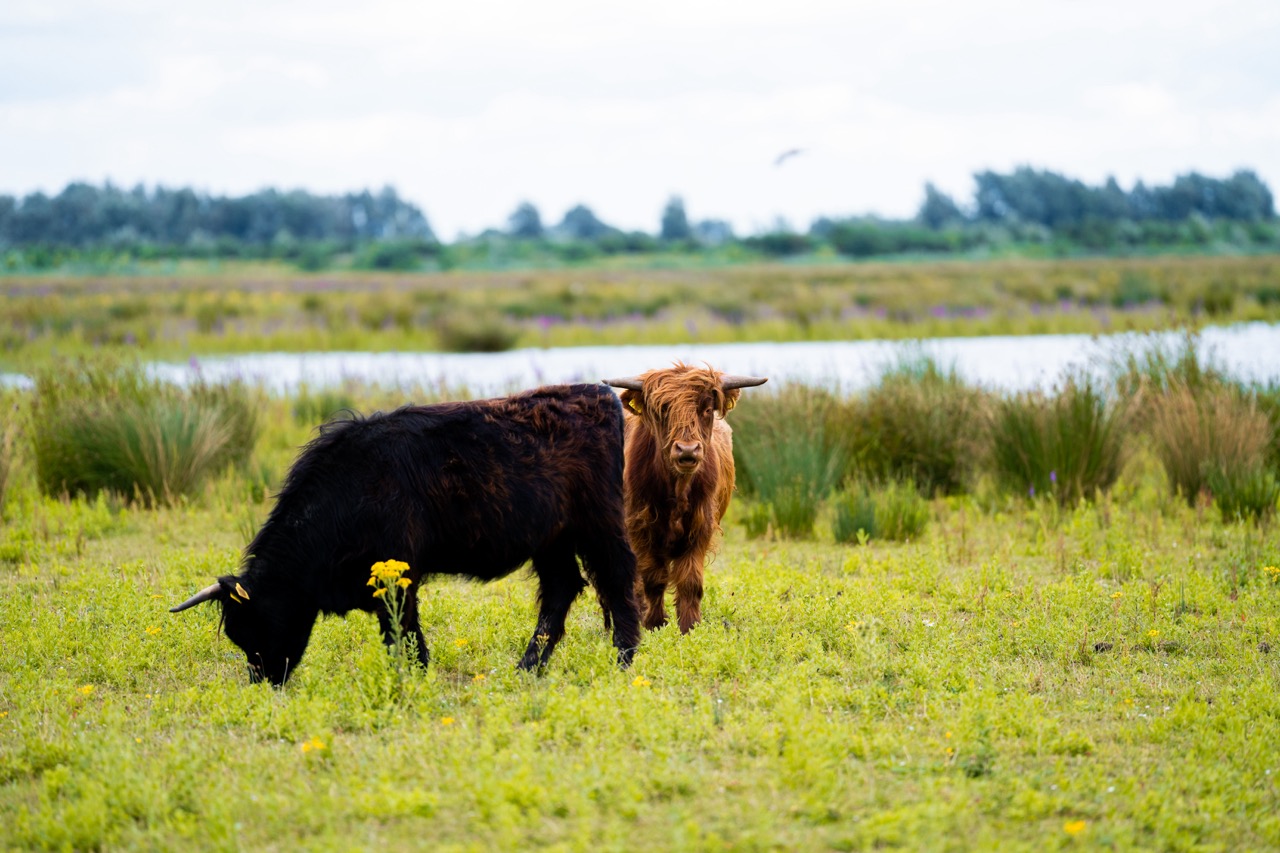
(679, 479)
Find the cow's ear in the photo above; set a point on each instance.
(633, 400)
(234, 589)
(730, 399)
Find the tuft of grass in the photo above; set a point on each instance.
(895, 512)
(785, 455)
(8, 434)
(108, 427)
(918, 422)
(1244, 493)
(1069, 445)
(315, 407)
(1199, 430)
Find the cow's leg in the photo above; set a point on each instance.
(611, 565)
(409, 626)
(559, 583)
(687, 575)
(655, 605)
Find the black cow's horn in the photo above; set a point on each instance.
(631, 383)
(199, 598)
(728, 382)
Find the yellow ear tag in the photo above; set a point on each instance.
(243, 594)
(236, 598)
(729, 403)
(634, 405)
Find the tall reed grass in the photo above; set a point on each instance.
(1068, 445)
(9, 415)
(110, 427)
(918, 423)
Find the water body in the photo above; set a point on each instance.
(1248, 351)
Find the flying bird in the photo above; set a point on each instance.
(787, 155)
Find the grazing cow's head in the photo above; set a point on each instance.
(269, 633)
(679, 405)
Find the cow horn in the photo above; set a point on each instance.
(631, 383)
(728, 383)
(200, 597)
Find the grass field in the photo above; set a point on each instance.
(256, 307)
(1021, 677)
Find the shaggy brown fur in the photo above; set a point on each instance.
(679, 479)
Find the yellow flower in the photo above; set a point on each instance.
(640, 681)
(948, 735)
(446, 721)
(950, 751)
(1273, 571)
(378, 593)
(403, 583)
(1117, 594)
(85, 690)
(1153, 633)
(459, 642)
(853, 626)
(479, 676)
(3, 714)
(314, 744)
(152, 630)
(1074, 827)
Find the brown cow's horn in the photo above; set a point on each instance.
(200, 597)
(728, 383)
(631, 383)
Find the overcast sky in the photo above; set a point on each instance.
(467, 108)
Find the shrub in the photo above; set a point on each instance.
(917, 423)
(483, 333)
(785, 457)
(1068, 445)
(895, 512)
(1197, 430)
(109, 427)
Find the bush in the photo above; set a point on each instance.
(785, 457)
(894, 512)
(484, 333)
(111, 428)
(1069, 445)
(918, 423)
(1201, 429)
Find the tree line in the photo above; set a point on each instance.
(381, 230)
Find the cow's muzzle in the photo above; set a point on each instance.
(686, 456)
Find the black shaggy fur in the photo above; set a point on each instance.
(473, 489)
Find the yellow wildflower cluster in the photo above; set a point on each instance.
(1074, 827)
(387, 573)
(640, 681)
(152, 630)
(85, 690)
(313, 745)
(1273, 572)
(446, 721)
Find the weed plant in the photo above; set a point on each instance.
(107, 426)
(1068, 445)
(1244, 493)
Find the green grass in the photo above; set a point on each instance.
(1008, 676)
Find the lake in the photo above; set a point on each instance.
(1248, 351)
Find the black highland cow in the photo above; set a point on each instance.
(473, 489)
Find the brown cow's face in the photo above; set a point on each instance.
(679, 406)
